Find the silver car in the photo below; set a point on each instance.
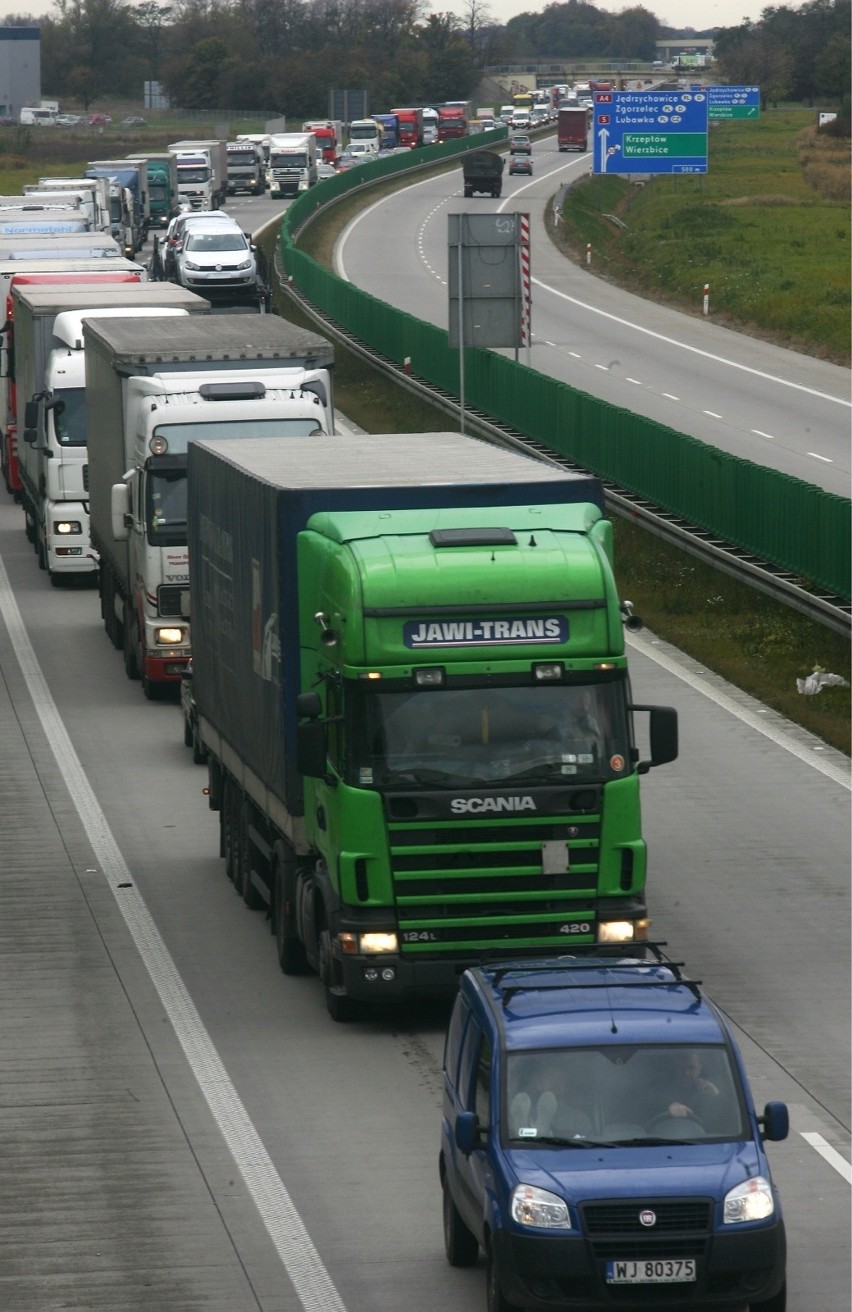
(216, 257)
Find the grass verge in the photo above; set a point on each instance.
(767, 228)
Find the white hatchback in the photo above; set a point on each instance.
(216, 257)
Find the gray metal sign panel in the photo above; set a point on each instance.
(484, 271)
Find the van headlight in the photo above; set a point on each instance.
(537, 1207)
(750, 1201)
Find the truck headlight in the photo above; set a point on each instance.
(65, 526)
(168, 637)
(372, 943)
(537, 1207)
(750, 1201)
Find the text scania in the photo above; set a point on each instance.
(477, 805)
(485, 632)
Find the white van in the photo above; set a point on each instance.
(32, 115)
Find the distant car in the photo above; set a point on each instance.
(68, 120)
(325, 170)
(430, 135)
(520, 164)
(134, 121)
(216, 257)
(99, 120)
(351, 162)
(520, 144)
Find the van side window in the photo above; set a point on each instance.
(452, 1047)
(468, 1064)
(482, 1092)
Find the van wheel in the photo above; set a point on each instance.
(495, 1300)
(460, 1244)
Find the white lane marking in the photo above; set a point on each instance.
(340, 270)
(633, 380)
(712, 414)
(310, 1279)
(817, 456)
(831, 1155)
(836, 772)
(670, 397)
(694, 350)
(759, 433)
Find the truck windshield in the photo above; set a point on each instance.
(193, 173)
(180, 435)
(611, 1095)
(116, 209)
(242, 157)
(69, 418)
(158, 191)
(296, 159)
(463, 738)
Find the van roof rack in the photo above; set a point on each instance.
(575, 964)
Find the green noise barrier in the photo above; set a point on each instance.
(793, 524)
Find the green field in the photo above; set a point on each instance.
(767, 227)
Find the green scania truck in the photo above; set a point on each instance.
(410, 684)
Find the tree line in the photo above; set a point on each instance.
(285, 55)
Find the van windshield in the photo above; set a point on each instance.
(645, 1094)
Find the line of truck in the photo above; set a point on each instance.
(401, 657)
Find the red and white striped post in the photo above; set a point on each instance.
(588, 252)
(706, 298)
(526, 282)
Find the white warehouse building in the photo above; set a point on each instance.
(20, 69)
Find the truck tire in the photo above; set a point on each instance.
(227, 817)
(288, 947)
(468, 191)
(131, 663)
(340, 1008)
(242, 860)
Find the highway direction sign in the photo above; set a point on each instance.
(733, 102)
(650, 131)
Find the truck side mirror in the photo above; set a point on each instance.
(663, 736)
(120, 511)
(312, 749)
(30, 421)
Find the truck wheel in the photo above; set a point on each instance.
(131, 664)
(199, 751)
(290, 951)
(41, 555)
(460, 1244)
(242, 861)
(340, 1008)
(229, 816)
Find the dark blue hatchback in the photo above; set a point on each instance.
(600, 1143)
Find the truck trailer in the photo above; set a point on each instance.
(51, 383)
(155, 387)
(411, 686)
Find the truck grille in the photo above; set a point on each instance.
(485, 887)
(169, 604)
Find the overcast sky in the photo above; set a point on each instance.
(699, 14)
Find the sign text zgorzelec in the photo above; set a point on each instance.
(650, 131)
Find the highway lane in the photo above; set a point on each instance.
(749, 883)
(764, 403)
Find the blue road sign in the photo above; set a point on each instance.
(733, 102)
(650, 131)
